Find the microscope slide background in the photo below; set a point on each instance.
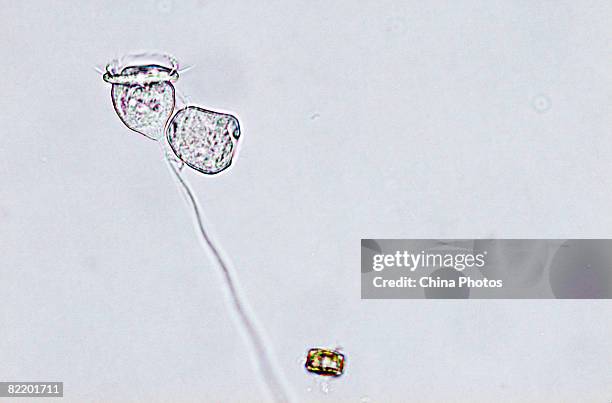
(369, 119)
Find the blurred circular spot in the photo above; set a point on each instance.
(541, 103)
(369, 248)
(582, 269)
(442, 275)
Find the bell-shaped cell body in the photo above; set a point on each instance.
(203, 139)
(144, 99)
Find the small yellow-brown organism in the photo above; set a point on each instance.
(325, 362)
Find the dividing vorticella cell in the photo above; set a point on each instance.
(143, 95)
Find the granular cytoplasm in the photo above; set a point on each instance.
(325, 362)
(143, 98)
(204, 140)
(142, 91)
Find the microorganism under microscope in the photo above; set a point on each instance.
(143, 96)
(204, 140)
(325, 362)
(144, 108)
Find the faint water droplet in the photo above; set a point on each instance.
(541, 103)
(365, 399)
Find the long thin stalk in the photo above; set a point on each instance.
(262, 354)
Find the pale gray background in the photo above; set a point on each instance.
(371, 119)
